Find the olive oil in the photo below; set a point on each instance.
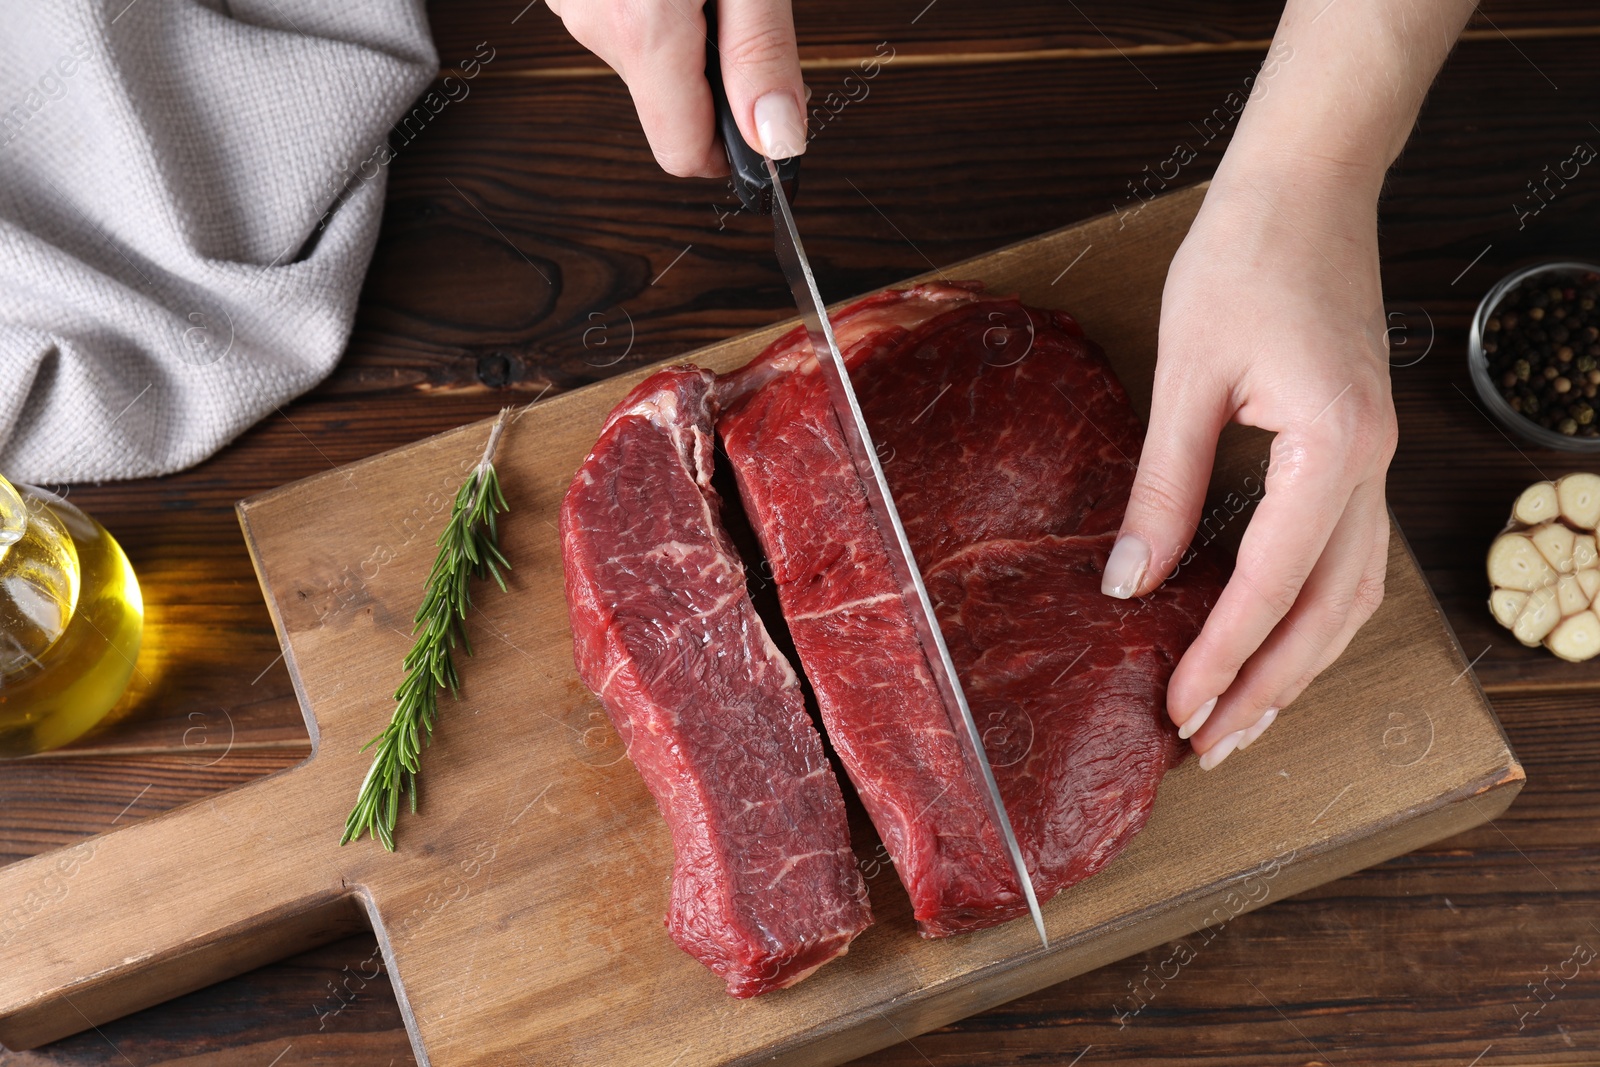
(71, 620)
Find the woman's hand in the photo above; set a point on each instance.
(1272, 316)
(659, 49)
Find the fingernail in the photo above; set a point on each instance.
(1221, 750)
(1253, 732)
(1197, 719)
(778, 124)
(1130, 558)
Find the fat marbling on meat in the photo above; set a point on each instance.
(1010, 447)
(765, 887)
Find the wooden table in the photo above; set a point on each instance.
(530, 244)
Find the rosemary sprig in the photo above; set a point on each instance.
(468, 548)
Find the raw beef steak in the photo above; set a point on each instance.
(1068, 691)
(1010, 447)
(765, 888)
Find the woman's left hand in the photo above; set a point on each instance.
(1272, 316)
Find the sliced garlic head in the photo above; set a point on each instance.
(1544, 569)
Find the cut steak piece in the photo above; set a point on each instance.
(765, 887)
(1067, 691)
(849, 623)
(1010, 448)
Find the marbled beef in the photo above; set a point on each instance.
(1010, 448)
(765, 888)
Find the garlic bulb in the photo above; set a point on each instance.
(1545, 570)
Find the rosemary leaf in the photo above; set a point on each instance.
(468, 548)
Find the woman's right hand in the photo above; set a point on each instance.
(659, 49)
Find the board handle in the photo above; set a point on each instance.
(149, 912)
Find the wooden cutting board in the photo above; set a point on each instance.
(521, 920)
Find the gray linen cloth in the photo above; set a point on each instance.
(189, 197)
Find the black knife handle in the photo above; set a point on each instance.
(750, 178)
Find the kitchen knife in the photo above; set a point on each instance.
(797, 269)
(747, 165)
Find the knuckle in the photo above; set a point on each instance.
(1279, 597)
(629, 30)
(1367, 597)
(1359, 422)
(1155, 492)
(1281, 592)
(1223, 660)
(1283, 579)
(766, 46)
(677, 163)
(1388, 438)
(1377, 428)
(580, 17)
(1328, 617)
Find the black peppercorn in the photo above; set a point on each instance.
(1541, 347)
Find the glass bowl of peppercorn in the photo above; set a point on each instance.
(1534, 353)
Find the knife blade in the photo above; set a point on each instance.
(764, 187)
(797, 269)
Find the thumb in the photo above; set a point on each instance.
(761, 73)
(1186, 417)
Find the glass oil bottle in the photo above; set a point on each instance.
(71, 620)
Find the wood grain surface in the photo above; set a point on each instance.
(836, 32)
(969, 156)
(522, 913)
